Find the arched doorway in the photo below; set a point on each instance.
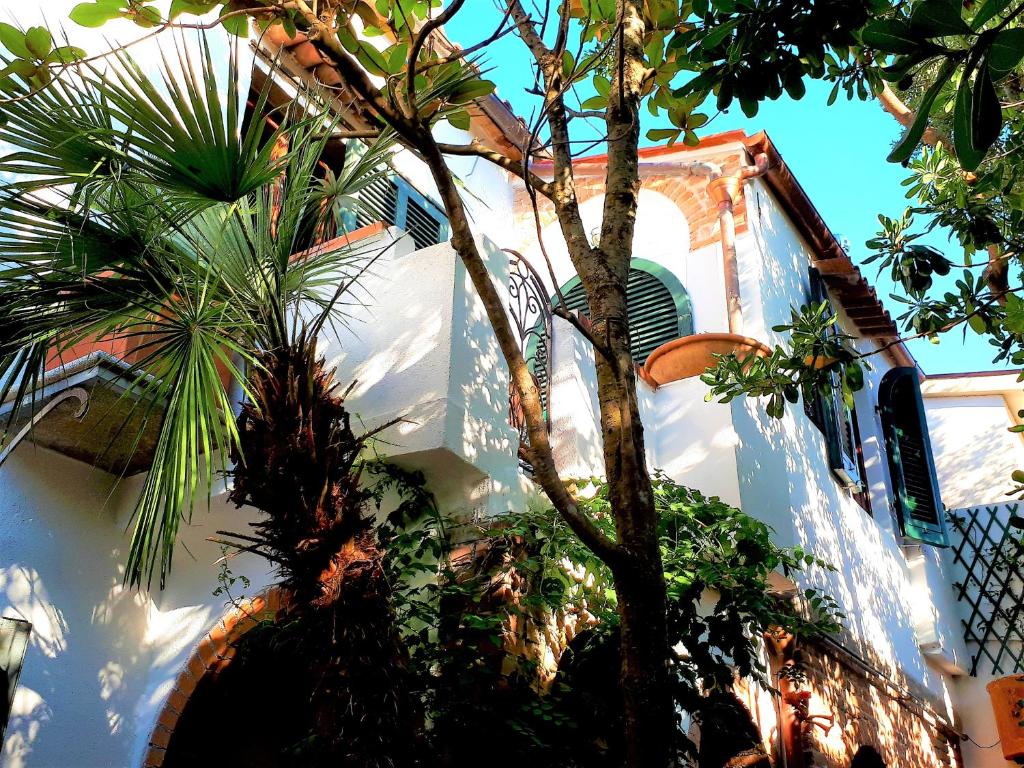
(231, 709)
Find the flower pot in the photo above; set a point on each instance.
(1007, 695)
(692, 355)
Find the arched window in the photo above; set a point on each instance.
(915, 484)
(658, 307)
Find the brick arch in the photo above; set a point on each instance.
(689, 193)
(214, 650)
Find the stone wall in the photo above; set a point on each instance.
(872, 709)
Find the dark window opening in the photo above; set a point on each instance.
(832, 413)
(911, 466)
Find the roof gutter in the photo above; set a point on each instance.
(856, 296)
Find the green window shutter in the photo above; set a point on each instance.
(393, 201)
(829, 411)
(841, 434)
(13, 643)
(911, 466)
(656, 316)
(378, 201)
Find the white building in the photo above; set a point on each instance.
(108, 670)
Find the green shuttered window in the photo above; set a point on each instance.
(911, 466)
(656, 314)
(836, 418)
(393, 201)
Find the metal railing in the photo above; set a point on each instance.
(530, 311)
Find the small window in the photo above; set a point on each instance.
(911, 466)
(837, 419)
(13, 643)
(657, 315)
(393, 201)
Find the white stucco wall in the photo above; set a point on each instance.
(974, 452)
(101, 657)
(785, 478)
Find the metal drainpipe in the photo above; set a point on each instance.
(725, 190)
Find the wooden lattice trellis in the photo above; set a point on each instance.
(989, 555)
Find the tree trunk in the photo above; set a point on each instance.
(298, 465)
(649, 715)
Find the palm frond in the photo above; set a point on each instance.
(150, 212)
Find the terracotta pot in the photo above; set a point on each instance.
(275, 34)
(819, 362)
(692, 355)
(1007, 695)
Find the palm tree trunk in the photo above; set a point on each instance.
(298, 464)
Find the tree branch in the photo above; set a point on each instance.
(475, 149)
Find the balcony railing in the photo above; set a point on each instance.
(530, 311)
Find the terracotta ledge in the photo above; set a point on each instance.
(692, 355)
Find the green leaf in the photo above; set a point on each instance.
(234, 25)
(977, 324)
(1005, 52)
(891, 36)
(567, 63)
(459, 119)
(1014, 321)
(938, 18)
(39, 41)
(663, 134)
(148, 17)
(65, 54)
(372, 59)
(713, 38)
(471, 91)
(906, 146)
(988, 11)
(396, 58)
(95, 14)
(595, 102)
(13, 40)
(977, 119)
(602, 85)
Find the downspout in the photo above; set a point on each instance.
(725, 190)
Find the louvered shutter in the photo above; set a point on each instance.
(378, 201)
(830, 412)
(654, 318)
(911, 466)
(396, 203)
(424, 229)
(13, 643)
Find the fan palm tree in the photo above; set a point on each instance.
(152, 210)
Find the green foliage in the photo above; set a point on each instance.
(528, 566)
(31, 53)
(161, 226)
(816, 350)
(975, 56)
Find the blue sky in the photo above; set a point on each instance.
(837, 153)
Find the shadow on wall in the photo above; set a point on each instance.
(974, 454)
(86, 662)
(785, 479)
